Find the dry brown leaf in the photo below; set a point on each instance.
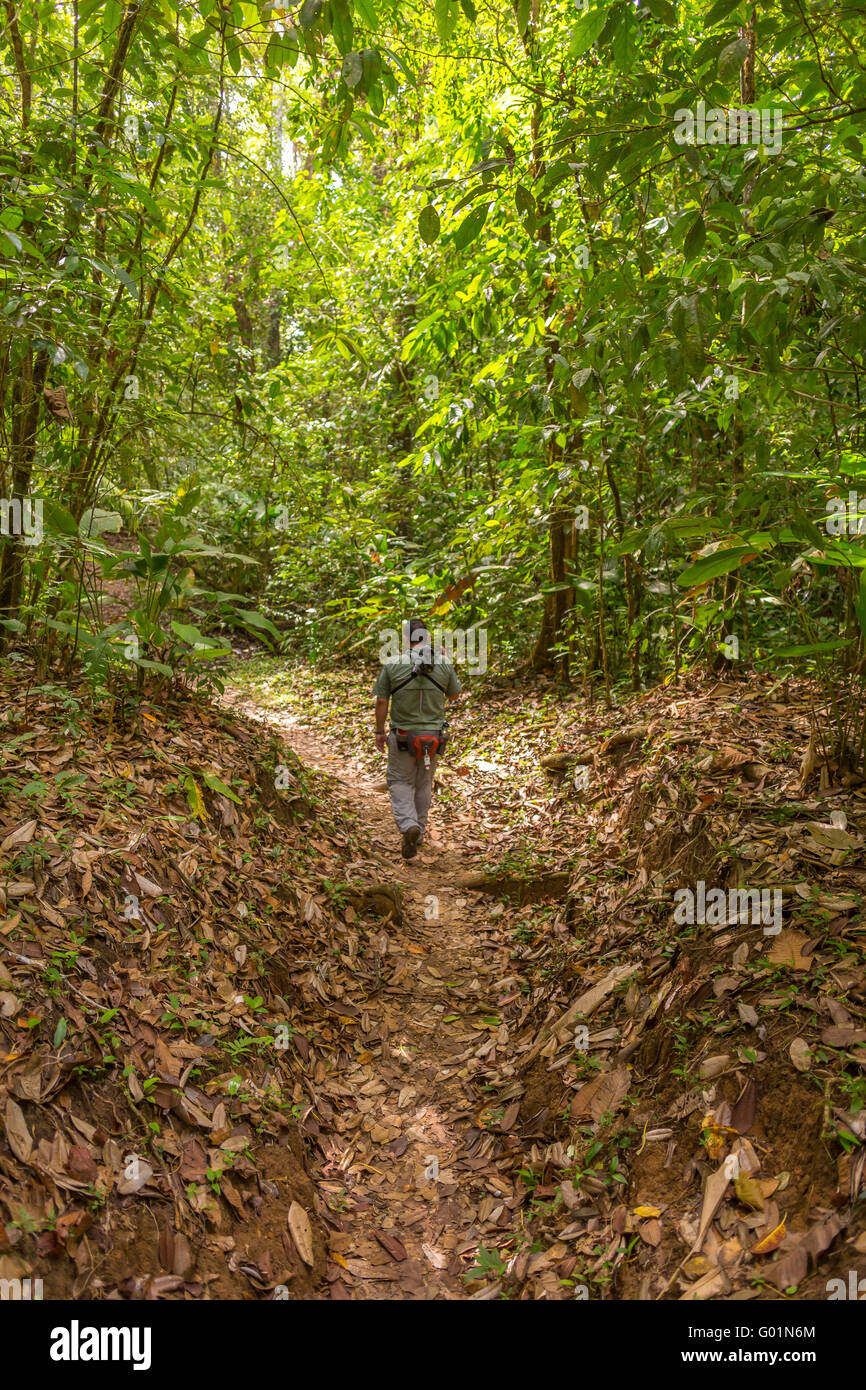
(743, 1113)
(21, 835)
(302, 1232)
(18, 1135)
(601, 1095)
(793, 1266)
(57, 404)
(714, 1066)
(714, 1190)
(651, 1232)
(712, 1285)
(843, 1037)
(787, 949)
(395, 1248)
(136, 1173)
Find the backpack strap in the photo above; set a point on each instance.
(419, 672)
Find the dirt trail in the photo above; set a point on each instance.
(411, 1160)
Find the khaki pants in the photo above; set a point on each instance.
(410, 787)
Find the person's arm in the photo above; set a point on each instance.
(382, 691)
(381, 716)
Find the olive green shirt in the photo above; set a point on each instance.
(419, 705)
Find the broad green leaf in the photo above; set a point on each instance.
(187, 633)
(352, 69)
(428, 224)
(253, 619)
(711, 566)
(341, 25)
(624, 47)
(446, 18)
(371, 61)
(731, 59)
(693, 242)
(662, 10)
(95, 522)
(55, 518)
(310, 13)
(586, 31)
(471, 226)
(809, 649)
(216, 784)
(524, 201)
(722, 9)
(149, 665)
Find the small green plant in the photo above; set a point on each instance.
(487, 1263)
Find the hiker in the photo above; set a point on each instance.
(417, 685)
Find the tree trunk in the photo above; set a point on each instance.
(26, 403)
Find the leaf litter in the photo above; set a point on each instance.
(250, 1053)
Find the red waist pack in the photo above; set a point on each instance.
(421, 745)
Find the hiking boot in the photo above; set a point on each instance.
(410, 842)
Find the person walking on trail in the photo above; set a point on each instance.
(417, 685)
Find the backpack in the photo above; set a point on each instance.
(423, 744)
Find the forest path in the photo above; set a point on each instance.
(408, 1172)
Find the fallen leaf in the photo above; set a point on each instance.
(395, 1248)
(832, 837)
(749, 1192)
(714, 1066)
(843, 1037)
(793, 1265)
(787, 949)
(148, 887)
(711, 1286)
(302, 1232)
(767, 1244)
(651, 1232)
(22, 835)
(714, 1190)
(134, 1176)
(182, 1256)
(601, 1095)
(17, 1133)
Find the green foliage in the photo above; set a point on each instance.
(562, 307)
